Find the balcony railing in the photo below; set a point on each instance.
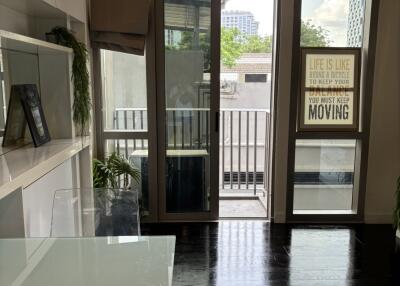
(244, 145)
(244, 140)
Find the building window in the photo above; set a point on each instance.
(255, 77)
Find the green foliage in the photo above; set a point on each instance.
(187, 41)
(396, 212)
(80, 76)
(234, 44)
(257, 44)
(312, 35)
(106, 173)
(231, 46)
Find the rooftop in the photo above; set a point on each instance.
(251, 63)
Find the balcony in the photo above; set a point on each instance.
(243, 144)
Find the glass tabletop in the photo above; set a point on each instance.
(118, 260)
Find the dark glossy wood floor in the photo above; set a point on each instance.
(239, 253)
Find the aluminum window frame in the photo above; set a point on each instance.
(361, 135)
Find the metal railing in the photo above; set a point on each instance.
(244, 140)
(244, 145)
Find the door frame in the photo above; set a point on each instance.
(213, 213)
(150, 135)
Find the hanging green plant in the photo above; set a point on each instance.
(80, 76)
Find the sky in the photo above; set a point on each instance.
(330, 14)
(261, 9)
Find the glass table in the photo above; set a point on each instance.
(94, 243)
(85, 261)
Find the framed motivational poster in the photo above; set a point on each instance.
(330, 88)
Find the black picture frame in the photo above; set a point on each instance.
(34, 114)
(302, 126)
(26, 96)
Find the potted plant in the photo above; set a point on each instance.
(396, 212)
(113, 180)
(80, 75)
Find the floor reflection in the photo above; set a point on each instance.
(320, 254)
(240, 253)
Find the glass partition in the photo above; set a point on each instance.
(324, 176)
(124, 91)
(327, 160)
(332, 23)
(125, 117)
(187, 97)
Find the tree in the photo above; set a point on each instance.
(257, 44)
(231, 46)
(312, 35)
(234, 44)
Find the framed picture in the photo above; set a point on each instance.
(329, 89)
(32, 106)
(25, 107)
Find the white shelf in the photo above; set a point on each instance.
(4, 150)
(21, 167)
(16, 42)
(34, 8)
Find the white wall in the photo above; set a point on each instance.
(75, 8)
(13, 21)
(384, 150)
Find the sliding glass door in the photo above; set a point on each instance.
(160, 110)
(188, 117)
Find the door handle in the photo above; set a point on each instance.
(217, 121)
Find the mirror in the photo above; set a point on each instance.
(16, 67)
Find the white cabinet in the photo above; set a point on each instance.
(38, 200)
(29, 179)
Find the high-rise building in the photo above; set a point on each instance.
(355, 23)
(242, 20)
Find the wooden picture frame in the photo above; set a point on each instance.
(354, 89)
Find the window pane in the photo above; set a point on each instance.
(124, 91)
(187, 97)
(324, 176)
(136, 152)
(332, 23)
